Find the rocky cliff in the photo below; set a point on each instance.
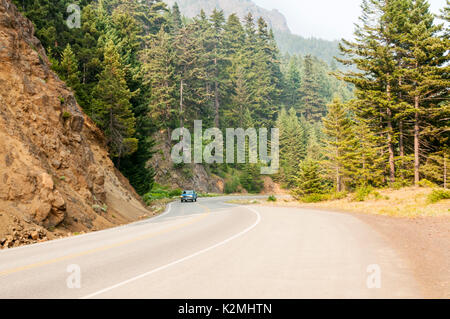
(189, 176)
(55, 174)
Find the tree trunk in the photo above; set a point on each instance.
(391, 149)
(390, 144)
(216, 103)
(400, 141)
(401, 147)
(338, 180)
(445, 171)
(338, 173)
(181, 104)
(416, 142)
(84, 73)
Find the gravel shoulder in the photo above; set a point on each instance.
(425, 242)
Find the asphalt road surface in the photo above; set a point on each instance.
(211, 249)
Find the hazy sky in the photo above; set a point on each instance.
(326, 19)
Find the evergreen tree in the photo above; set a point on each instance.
(424, 72)
(368, 163)
(293, 82)
(374, 55)
(309, 180)
(111, 105)
(158, 72)
(292, 145)
(68, 68)
(312, 105)
(341, 144)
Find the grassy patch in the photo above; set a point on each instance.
(159, 192)
(208, 195)
(437, 195)
(405, 202)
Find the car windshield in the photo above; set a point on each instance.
(188, 192)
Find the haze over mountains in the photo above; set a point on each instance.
(287, 42)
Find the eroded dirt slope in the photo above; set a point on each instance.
(55, 174)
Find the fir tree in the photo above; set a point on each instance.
(68, 68)
(312, 105)
(309, 180)
(424, 71)
(158, 72)
(111, 105)
(341, 144)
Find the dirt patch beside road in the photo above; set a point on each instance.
(425, 242)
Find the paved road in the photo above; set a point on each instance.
(211, 249)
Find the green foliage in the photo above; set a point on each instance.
(271, 198)
(160, 192)
(309, 180)
(232, 186)
(312, 106)
(313, 198)
(292, 145)
(400, 183)
(361, 193)
(341, 144)
(250, 178)
(437, 195)
(401, 84)
(66, 115)
(175, 192)
(138, 67)
(426, 183)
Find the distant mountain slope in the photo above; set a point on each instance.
(287, 42)
(295, 44)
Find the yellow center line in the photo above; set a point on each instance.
(106, 247)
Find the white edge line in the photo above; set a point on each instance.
(258, 219)
(92, 233)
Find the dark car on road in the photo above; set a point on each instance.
(188, 196)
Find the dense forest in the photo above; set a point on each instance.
(295, 44)
(138, 67)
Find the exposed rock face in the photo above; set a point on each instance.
(54, 167)
(191, 176)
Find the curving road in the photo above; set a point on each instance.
(211, 249)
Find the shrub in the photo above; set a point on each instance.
(175, 192)
(426, 183)
(271, 198)
(232, 186)
(309, 181)
(66, 115)
(337, 195)
(187, 172)
(400, 183)
(251, 180)
(438, 194)
(314, 198)
(160, 192)
(361, 193)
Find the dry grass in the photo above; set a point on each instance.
(407, 202)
